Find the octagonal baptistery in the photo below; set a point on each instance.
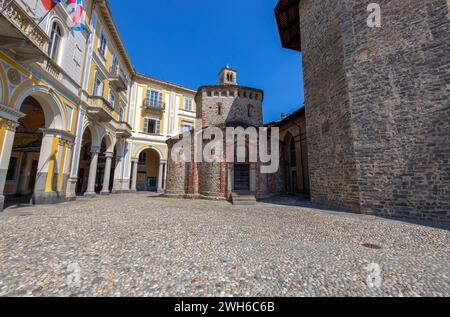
(224, 105)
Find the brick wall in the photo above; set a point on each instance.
(234, 101)
(378, 109)
(333, 171)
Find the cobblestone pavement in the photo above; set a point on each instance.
(136, 245)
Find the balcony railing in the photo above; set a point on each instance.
(100, 108)
(151, 105)
(19, 32)
(124, 129)
(118, 78)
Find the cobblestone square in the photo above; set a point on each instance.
(140, 245)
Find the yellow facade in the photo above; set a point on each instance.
(73, 120)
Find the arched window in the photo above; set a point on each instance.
(293, 153)
(219, 108)
(249, 110)
(55, 41)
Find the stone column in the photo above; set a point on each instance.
(20, 166)
(134, 177)
(90, 192)
(160, 178)
(67, 166)
(229, 180)
(165, 176)
(117, 186)
(7, 132)
(107, 176)
(24, 178)
(44, 191)
(78, 142)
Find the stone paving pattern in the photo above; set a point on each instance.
(137, 245)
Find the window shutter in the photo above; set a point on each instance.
(146, 125)
(158, 127)
(120, 113)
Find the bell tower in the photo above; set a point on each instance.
(228, 76)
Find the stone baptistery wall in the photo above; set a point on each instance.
(378, 106)
(220, 106)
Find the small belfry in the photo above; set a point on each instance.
(228, 76)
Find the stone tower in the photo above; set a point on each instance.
(377, 103)
(226, 104)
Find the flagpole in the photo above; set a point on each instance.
(6, 6)
(40, 21)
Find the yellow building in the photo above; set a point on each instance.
(75, 117)
(158, 111)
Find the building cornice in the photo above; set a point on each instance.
(105, 10)
(151, 79)
(229, 86)
(10, 114)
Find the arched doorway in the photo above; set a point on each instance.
(290, 154)
(84, 162)
(34, 157)
(296, 165)
(148, 171)
(107, 163)
(24, 161)
(243, 178)
(96, 164)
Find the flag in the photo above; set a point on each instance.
(77, 9)
(50, 4)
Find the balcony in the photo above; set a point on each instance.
(118, 79)
(99, 108)
(152, 106)
(124, 129)
(19, 34)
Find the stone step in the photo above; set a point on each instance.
(243, 199)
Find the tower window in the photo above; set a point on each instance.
(249, 110)
(219, 108)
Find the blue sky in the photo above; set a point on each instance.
(188, 42)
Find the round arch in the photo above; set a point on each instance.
(110, 142)
(148, 147)
(96, 140)
(54, 18)
(55, 114)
